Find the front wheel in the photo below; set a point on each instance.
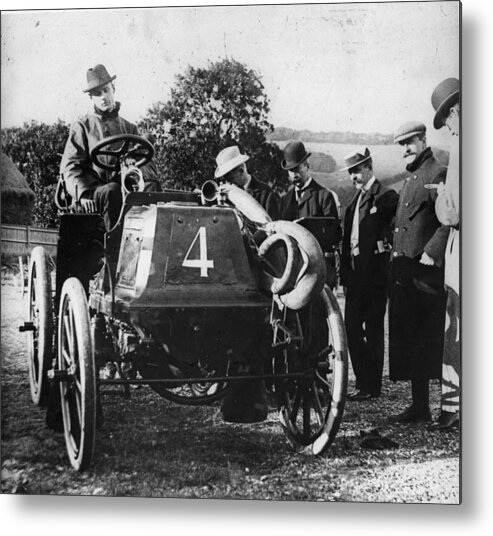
(311, 406)
(40, 315)
(77, 372)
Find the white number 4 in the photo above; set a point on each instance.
(202, 262)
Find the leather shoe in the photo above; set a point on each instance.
(412, 414)
(360, 395)
(447, 421)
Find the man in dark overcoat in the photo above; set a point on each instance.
(366, 245)
(417, 298)
(306, 198)
(94, 188)
(231, 167)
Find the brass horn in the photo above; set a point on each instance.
(209, 192)
(132, 180)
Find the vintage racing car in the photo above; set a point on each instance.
(182, 290)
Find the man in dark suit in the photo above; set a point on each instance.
(231, 167)
(417, 297)
(364, 271)
(308, 199)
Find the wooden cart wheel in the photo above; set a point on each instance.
(77, 372)
(311, 408)
(40, 318)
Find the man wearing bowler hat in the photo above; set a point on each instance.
(308, 199)
(85, 182)
(365, 258)
(231, 167)
(446, 102)
(417, 298)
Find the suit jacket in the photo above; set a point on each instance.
(315, 201)
(377, 210)
(262, 193)
(417, 228)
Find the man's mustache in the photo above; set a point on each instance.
(409, 154)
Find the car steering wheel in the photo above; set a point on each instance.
(131, 145)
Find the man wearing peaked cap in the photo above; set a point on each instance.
(306, 199)
(364, 271)
(96, 189)
(446, 102)
(231, 167)
(417, 300)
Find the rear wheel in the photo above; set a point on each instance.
(40, 315)
(311, 406)
(77, 371)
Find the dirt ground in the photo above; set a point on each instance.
(150, 447)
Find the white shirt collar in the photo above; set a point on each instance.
(369, 184)
(305, 186)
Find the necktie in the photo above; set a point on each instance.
(298, 193)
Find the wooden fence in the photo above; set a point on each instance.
(21, 239)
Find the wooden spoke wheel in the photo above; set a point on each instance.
(311, 406)
(40, 319)
(77, 373)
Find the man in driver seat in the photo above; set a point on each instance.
(86, 183)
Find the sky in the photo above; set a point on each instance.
(327, 67)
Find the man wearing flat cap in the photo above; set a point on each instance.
(417, 298)
(307, 199)
(365, 258)
(446, 102)
(85, 182)
(231, 167)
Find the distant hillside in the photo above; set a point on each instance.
(388, 164)
(355, 138)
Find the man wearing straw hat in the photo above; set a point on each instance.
(231, 167)
(85, 182)
(446, 102)
(366, 246)
(417, 298)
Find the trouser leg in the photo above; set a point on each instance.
(420, 390)
(374, 335)
(109, 202)
(353, 319)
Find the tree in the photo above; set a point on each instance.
(36, 149)
(210, 109)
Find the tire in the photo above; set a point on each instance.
(78, 390)
(311, 408)
(40, 314)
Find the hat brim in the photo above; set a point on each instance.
(356, 164)
(408, 135)
(292, 166)
(231, 164)
(443, 109)
(89, 89)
